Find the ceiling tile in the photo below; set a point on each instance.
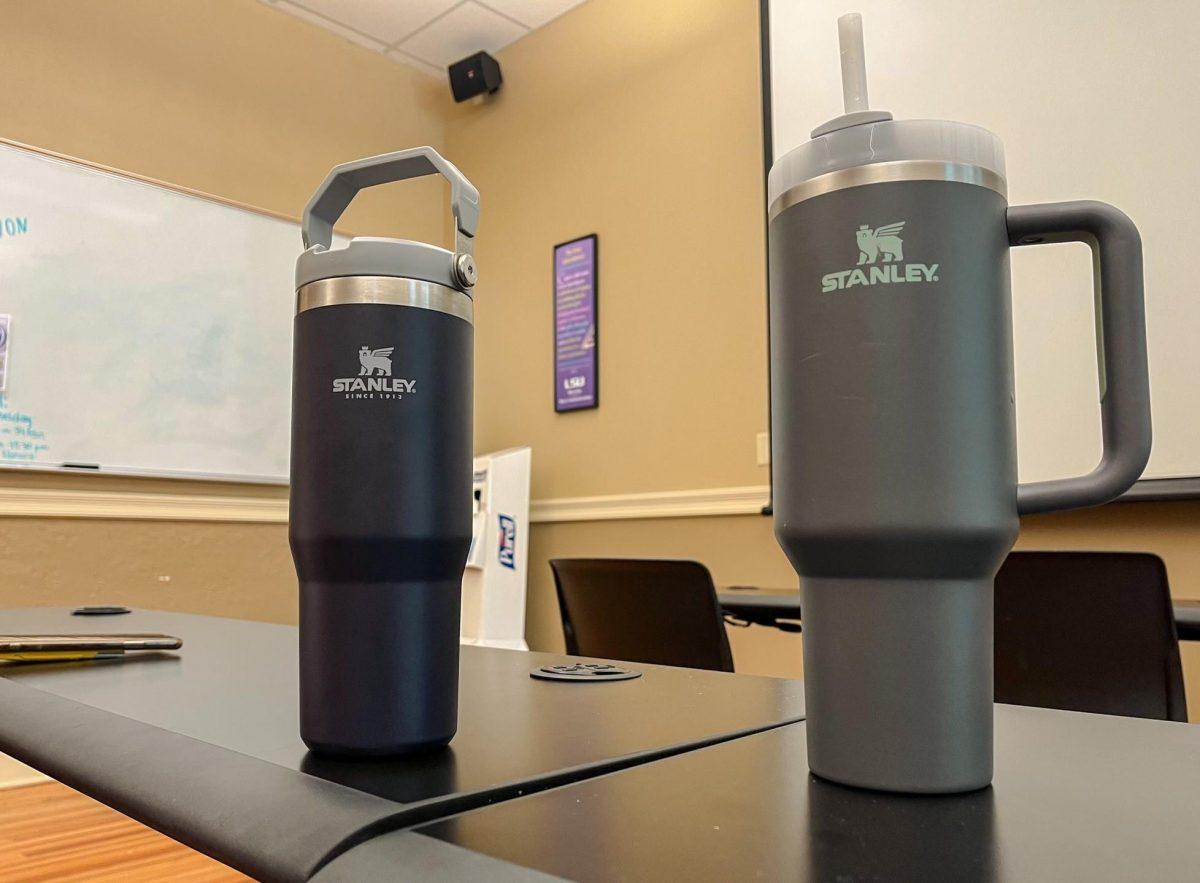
(461, 32)
(319, 21)
(532, 13)
(385, 20)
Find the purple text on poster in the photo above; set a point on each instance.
(575, 374)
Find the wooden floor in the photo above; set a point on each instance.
(50, 833)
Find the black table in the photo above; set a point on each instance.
(204, 744)
(1187, 620)
(1075, 797)
(771, 607)
(781, 608)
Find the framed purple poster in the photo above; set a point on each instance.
(576, 346)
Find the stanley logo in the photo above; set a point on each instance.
(880, 261)
(374, 378)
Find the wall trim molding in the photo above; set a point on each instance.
(130, 506)
(705, 502)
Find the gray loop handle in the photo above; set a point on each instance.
(1121, 347)
(343, 183)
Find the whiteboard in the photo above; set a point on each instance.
(150, 328)
(1093, 99)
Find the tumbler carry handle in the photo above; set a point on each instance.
(342, 184)
(1121, 347)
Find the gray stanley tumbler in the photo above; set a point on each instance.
(895, 476)
(381, 468)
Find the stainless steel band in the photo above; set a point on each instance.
(878, 173)
(390, 290)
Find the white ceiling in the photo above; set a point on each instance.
(428, 34)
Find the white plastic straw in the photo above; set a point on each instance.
(854, 62)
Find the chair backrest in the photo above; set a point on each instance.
(663, 612)
(1088, 631)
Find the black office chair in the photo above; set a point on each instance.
(1088, 631)
(664, 612)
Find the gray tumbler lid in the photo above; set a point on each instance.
(863, 137)
(380, 256)
(885, 141)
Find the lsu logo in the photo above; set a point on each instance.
(508, 542)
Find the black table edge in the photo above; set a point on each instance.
(49, 732)
(235, 808)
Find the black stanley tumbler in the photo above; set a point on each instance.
(381, 469)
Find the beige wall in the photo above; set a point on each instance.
(227, 96)
(235, 99)
(638, 122)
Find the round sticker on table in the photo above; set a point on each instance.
(584, 672)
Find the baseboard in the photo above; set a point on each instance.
(121, 505)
